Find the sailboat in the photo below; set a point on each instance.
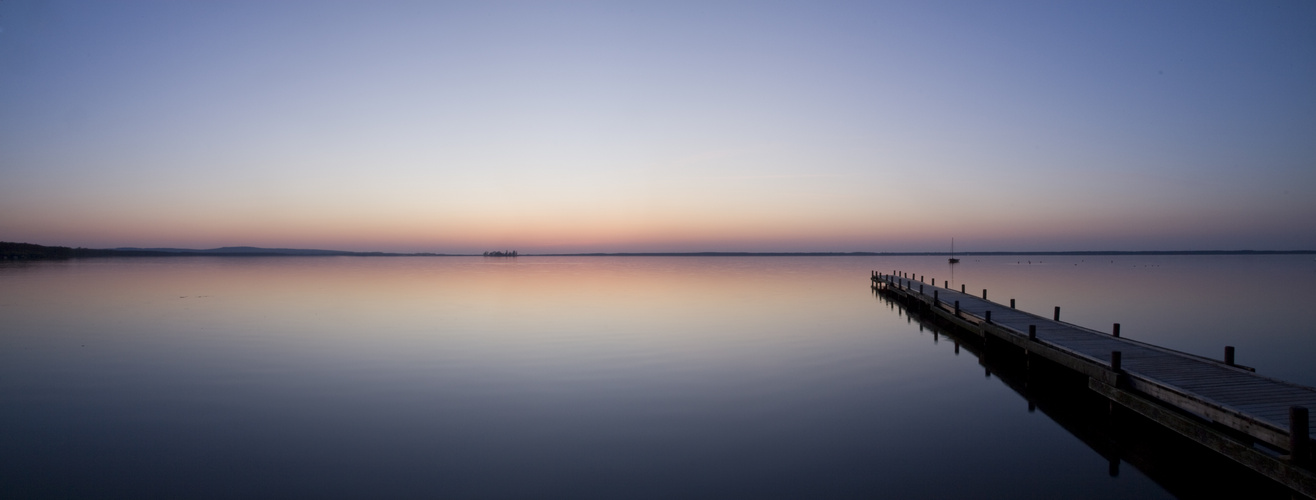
(952, 258)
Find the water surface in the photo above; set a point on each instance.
(649, 377)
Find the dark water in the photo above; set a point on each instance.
(585, 377)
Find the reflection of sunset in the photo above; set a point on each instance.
(368, 366)
(481, 303)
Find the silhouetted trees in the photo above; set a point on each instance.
(29, 251)
(501, 253)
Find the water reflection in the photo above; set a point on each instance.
(534, 377)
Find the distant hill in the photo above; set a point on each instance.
(250, 251)
(29, 251)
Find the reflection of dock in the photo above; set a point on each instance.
(1258, 422)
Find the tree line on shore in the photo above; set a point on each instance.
(29, 251)
(501, 253)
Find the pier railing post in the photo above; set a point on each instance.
(961, 287)
(1117, 366)
(988, 317)
(1057, 316)
(957, 308)
(984, 294)
(936, 297)
(1229, 355)
(1116, 330)
(1032, 332)
(1299, 434)
(1011, 303)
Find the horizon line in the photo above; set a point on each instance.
(13, 247)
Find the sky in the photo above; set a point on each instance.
(539, 126)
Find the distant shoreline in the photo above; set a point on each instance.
(30, 251)
(929, 254)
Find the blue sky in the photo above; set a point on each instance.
(564, 126)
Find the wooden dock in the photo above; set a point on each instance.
(1260, 422)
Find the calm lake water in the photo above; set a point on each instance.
(598, 377)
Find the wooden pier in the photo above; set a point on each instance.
(1257, 421)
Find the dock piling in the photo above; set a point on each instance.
(1299, 434)
(1116, 330)
(989, 317)
(1229, 355)
(1057, 315)
(961, 287)
(1032, 332)
(984, 294)
(1011, 303)
(957, 308)
(1116, 363)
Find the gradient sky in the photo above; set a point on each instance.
(665, 126)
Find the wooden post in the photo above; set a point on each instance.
(984, 294)
(1011, 303)
(936, 297)
(989, 317)
(1116, 330)
(1057, 316)
(961, 287)
(1229, 355)
(957, 308)
(1032, 332)
(920, 278)
(920, 289)
(1299, 434)
(1116, 361)
(947, 282)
